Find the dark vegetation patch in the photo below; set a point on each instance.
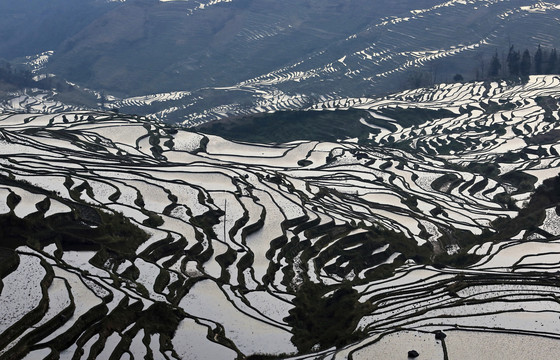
(9, 261)
(362, 257)
(153, 220)
(522, 181)
(327, 315)
(530, 217)
(414, 116)
(324, 319)
(466, 240)
(493, 107)
(84, 228)
(550, 105)
(286, 126)
(489, 170)
(14, 78)
(71, 231)
(509, 157)
(551, 137)
(207, 221)
(448, 181)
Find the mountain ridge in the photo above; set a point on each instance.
(238, 58)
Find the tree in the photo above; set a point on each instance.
(495, 66)
(525, 65)
(552, 62)
(103, 100)
(539, 60)
(418, 78)
(513, 62)
(326, 321)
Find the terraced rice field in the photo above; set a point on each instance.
(127, 238)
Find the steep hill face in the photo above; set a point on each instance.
(123, 236)
(195, 61)
(33, 26)
(178, 46)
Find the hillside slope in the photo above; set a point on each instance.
(196, 61)
(127, 237)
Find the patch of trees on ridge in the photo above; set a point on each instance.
(20, 78)
(15, 76)
(523, 64)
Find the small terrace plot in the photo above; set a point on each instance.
(22, 291)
